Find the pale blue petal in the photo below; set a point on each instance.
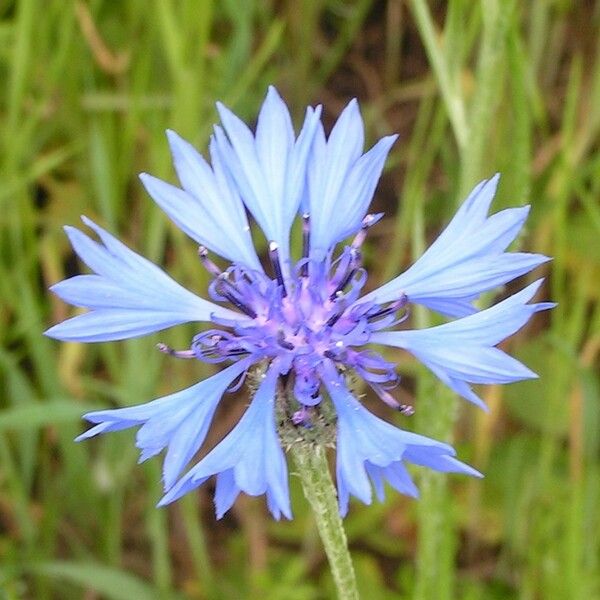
(466, 260)
(343, 217)
(251, 450)
(449, 306)
(463, 351)
(129, 296)
(344, 147)
(359, 188)
(240, 156)
(459, 386)
(238, 153)
(472, 213)
(341, 180)
(274, 139)
(273, 505)
(296, 177)
(368, 447)
(375, 473)
(178, 422)
(400, 479)
(115, 324)
(226, 492)
(214, 218)
(494, 324)
(95, 291)
(343, 493)
(475, 364)
(396, 475)
(103, 428)
(439, 461)
(268, 168)
(463, 280)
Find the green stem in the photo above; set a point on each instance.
(311, 462)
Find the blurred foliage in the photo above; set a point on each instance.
(473, 87)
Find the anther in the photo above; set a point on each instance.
(176, 353)
(283, 342)
(274, 257)
(227, 291)
(353, 268)
(391, 309)
(367, 223)
(333, 320)
(389, 399)
(208, 264)
(340, 310)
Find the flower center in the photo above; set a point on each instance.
(301, 318)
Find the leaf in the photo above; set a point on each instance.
(112, 583)
(40, 414)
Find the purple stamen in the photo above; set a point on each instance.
(274, 258)
(227, 290)
(334, 318)
(208, 264)
(404, 409)
(176, 353)
(302, 326)
(367, 223)
(283, 342)
(354, 261)
(390, 310)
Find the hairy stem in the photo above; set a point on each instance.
(311, 463)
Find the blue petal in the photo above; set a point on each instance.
(114, 324)
(208, 209)
(467, 259)
(439, 460)
(396, 475)
(269, 168)
(129, 295)
(178, 422)
(359, 188)
(252, 452)
(226, 492)
(273, 141)
(370, 447)
(215, 216)
(341, 180)
(463, 351)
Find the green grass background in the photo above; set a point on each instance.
(474, 87)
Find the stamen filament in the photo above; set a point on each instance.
(391, 309)
(353, 266)
(274, 257)
(367, 223)
(176, 353)
(208, 264)
(228, 291)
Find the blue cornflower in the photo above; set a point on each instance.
(301, 328)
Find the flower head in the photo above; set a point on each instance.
(300, 324)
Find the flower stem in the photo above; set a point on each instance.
(311, 463)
